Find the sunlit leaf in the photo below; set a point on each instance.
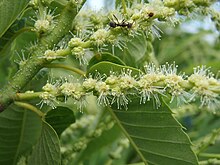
(154, 133)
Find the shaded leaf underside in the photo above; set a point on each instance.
(47, 150)
(19, 131)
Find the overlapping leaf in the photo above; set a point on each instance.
(19, 131)
(47, 150)
(9, 11)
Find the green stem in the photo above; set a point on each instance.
(209, 155)
(126, 134)
(64, 52)
(76, 70)
(211, 140)
(19, 81)
(35, 64)
(27, 96)
(29, 107)
(209, 162)
(124, 6)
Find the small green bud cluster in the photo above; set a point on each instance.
(215, 16)
(100, 37)
(22, 161)
(154, 83)
(149, 11)
(73, 90)
(45, 21)
(53, 54)
(53, 91)
(33, 3)
(104, 125)
(209, 140)
(103, 37)
(48, 97)
(88, 21)
(205, 86)
(186, 110)
(185, 7)
(79, 49)
(122, 144)
(88, 124)
(83, 131)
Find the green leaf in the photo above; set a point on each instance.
(175, 45)
(19, 131)
(11, 34)
(9, 11)
(136, 49)
(137, 164)
(47, 149)
(154, 133)
(106, 67)
(60, 118)
(104, 57)
(9, 54)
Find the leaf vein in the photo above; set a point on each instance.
(166, 156)
(157, 140)
(149, 126)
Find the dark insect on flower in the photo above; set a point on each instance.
(151, 14)
(114, 24)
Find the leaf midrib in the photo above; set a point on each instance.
(127, 135)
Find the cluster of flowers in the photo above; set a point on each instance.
(78, 135)
(96, 28)
(93, 32)
(45, 21)
(151, 85)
